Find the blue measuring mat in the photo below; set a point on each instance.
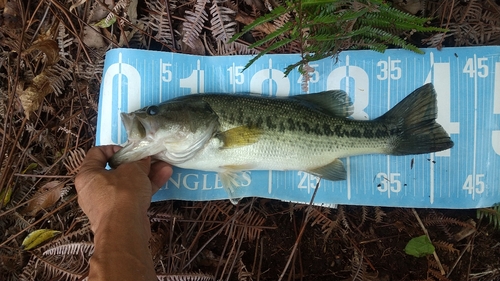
(467, 81)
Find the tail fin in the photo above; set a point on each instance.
(413, 121)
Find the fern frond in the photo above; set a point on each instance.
(164, 212)
(390, 21)
(389, 38)
(63, 42)
(249, 226)
(436, 274)
(185, 277)
(358, 267)
(29, 271)
(379, 214)
(342, 217)
(61, 267)
(440, 219)
(492, 214)
(434, 270)
(194, 22)
(214, 211)
(74, 160)
(400, 17)
(364, 216)
(445, 246)
(274, 46)
(82, 234)
(71, 249)
(276, 13)
(326, 27)
(321, 217)
(223, 27)
(280, 31)
(58, 75)
(348, 15)
(472, 10)
(282, 20)
(158, 20)
(234, 48)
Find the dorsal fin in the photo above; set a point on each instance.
(335, 102)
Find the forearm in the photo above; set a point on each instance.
(116, 203)
(122, 249)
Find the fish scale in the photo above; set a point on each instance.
(291, 118)
(298, 120)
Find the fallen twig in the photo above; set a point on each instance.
(443, 272)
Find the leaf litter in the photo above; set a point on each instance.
(51, 57)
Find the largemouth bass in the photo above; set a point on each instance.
(231, 133)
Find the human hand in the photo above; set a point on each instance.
(124, 192)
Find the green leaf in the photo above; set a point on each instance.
(327, 27)
(493, 215)
(282, 30)
(37, 237)
(276, 13)
(419, 247)
(105, 23)
(274, 46)
(5, 195)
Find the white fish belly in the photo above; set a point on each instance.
(280, 153)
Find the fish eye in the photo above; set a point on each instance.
(152, 110)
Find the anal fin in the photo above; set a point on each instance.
(334, 171)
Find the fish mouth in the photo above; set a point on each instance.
(140, 144)
(135, 126)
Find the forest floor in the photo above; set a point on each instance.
(51, 59)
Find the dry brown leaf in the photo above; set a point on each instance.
(46, 196)
(466, 231)
(41, 85)
(265, 27)
(93, 38)
(49, 47)
(32, 97)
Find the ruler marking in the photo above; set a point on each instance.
(388, 108)
(475, 130)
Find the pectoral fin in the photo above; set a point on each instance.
(335, 171)
(240, 136)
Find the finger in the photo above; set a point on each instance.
(143, 165)
(159, 174)
(98, 156)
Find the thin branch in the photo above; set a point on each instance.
(441, 269)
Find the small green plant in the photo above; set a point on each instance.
(492, 214)
(324, 28)
(419, 247)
